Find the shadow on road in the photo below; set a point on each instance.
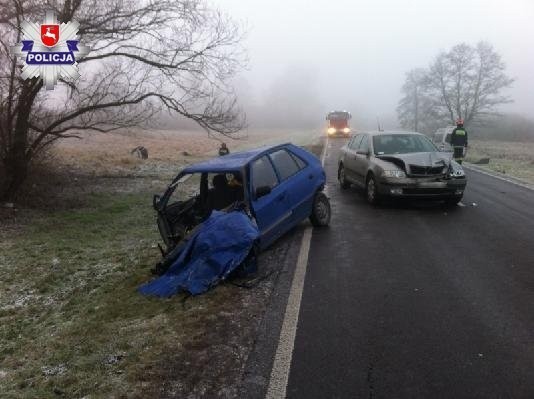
(400, 203)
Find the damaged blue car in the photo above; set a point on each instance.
(277, 187)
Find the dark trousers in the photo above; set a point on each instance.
(459, 153)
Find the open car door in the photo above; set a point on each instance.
(181, 208)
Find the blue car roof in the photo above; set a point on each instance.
(225, 163)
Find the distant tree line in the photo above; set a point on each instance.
(465, 82)
(509, 127)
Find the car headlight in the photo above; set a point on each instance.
(331, 130)
(458, 173)
(393, 173)
(346, 130)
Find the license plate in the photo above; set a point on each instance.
(435, 184)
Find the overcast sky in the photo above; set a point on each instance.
(355, 52)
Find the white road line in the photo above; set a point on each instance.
(324, 151)
(327, 144)
(284, 353)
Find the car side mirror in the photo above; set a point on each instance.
(362, 152)
(262, 191)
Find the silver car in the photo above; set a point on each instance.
(400, 165)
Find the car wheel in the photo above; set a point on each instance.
(371, 191)
(320, 215)
(452, 201)
(342, 179)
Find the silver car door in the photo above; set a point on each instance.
(361, 162)
(350, 158)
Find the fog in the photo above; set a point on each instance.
(308, 57)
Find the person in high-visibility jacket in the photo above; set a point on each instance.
(459, 140)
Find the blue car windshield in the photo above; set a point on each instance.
(387, 144)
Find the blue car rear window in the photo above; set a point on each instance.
(284, 163)
(263, 173)
(300, 162)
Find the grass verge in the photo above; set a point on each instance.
(73, 325)
(511, 158)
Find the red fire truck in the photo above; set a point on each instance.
(338, 123)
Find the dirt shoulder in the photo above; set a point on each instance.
(71, 321)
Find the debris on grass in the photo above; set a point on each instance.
(54, 370)
(113, 359)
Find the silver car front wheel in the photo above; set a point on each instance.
(371, 192)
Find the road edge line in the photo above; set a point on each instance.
(512, 180)
(284, 353)
(325, 147)
(323, 157)
(286, 342)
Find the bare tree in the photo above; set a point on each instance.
(146, 57)
(414, 104)
(467, 82)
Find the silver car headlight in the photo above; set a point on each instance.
(457, 173)
(394, 173)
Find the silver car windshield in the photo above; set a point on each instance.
(401, 144)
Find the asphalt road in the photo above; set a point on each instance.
(415, 301)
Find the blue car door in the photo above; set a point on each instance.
(271, 209)
(300, 179)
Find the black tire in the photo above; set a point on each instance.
(343, 183)
(451, 202)
(321, 211)
(371, 193)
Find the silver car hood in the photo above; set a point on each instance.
(422, 159)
